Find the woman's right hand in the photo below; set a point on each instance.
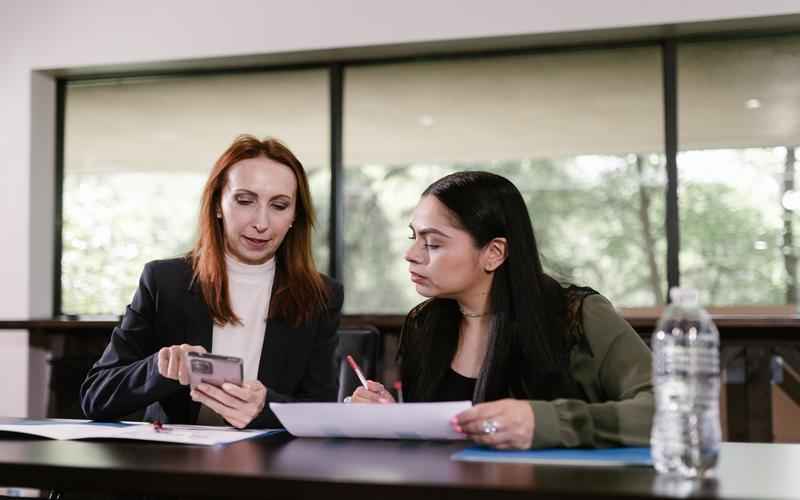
(172, 361)
(376, 393)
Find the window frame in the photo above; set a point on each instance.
(337, 71)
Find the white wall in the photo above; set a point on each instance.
(42, 35)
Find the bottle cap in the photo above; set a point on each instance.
(684, 296)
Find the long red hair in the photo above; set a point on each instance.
(299, 291)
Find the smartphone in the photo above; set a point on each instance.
(214, 369)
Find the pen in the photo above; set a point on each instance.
(398, 385)
(356, 369)
(159, 427)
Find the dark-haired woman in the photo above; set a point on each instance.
(249, 288)
(545, 365)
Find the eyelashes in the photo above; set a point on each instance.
(427, 246)
(247, 202)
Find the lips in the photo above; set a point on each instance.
(417, 278)
(255, 243)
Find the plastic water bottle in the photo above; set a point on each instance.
(686, 430)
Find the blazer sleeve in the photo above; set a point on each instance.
(622, 366)
(320, 382)
(125, 378)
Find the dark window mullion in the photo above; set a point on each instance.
(670, 82)
(58, 210)
(336, 232)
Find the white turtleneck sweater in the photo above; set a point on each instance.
(250, 288)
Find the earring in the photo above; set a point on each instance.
(219, 214)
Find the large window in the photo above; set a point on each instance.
(739, 123)
(136, 156)
(580, 133)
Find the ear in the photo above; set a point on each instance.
(494, 254)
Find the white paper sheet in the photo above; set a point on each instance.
(383, 421)
(191, 434)
(65, 429)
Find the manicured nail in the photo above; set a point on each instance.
(383, 400)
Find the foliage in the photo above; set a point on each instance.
(586, 213)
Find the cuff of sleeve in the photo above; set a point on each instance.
(267, 419)
(277, 397)
(546, 430)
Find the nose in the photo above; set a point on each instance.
(261, 221)
(413, 254)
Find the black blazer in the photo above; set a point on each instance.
(297, 364)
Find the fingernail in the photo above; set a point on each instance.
(383, 400)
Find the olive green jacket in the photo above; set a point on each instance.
(616, 378)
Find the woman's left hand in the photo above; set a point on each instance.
(504, 424)
(237, 405)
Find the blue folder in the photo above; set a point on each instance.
(560, 456)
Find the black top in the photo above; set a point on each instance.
(297, 363)
(455, 387)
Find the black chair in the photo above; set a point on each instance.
(364, 344)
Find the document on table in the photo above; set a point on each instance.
(66, 429)
(560, 456)
(382, 421)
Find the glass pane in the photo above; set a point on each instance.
(137, 153)
(579, 133)
(739, 111)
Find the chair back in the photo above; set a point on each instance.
(364, 344)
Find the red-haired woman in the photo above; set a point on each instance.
(249, 288)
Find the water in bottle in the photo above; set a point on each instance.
(686, 430)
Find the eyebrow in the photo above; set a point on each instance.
(239, 191)
(428, 230)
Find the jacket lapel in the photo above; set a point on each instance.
(276, 352)
(199, 326)
(282, 343)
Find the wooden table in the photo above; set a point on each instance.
(283, 467)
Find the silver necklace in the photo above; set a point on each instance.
(472, 315)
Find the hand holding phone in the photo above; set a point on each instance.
(238, 405)
(213, 369)
(217, 383)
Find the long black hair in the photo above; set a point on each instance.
(528, 353)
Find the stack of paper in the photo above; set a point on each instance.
(64, 429)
